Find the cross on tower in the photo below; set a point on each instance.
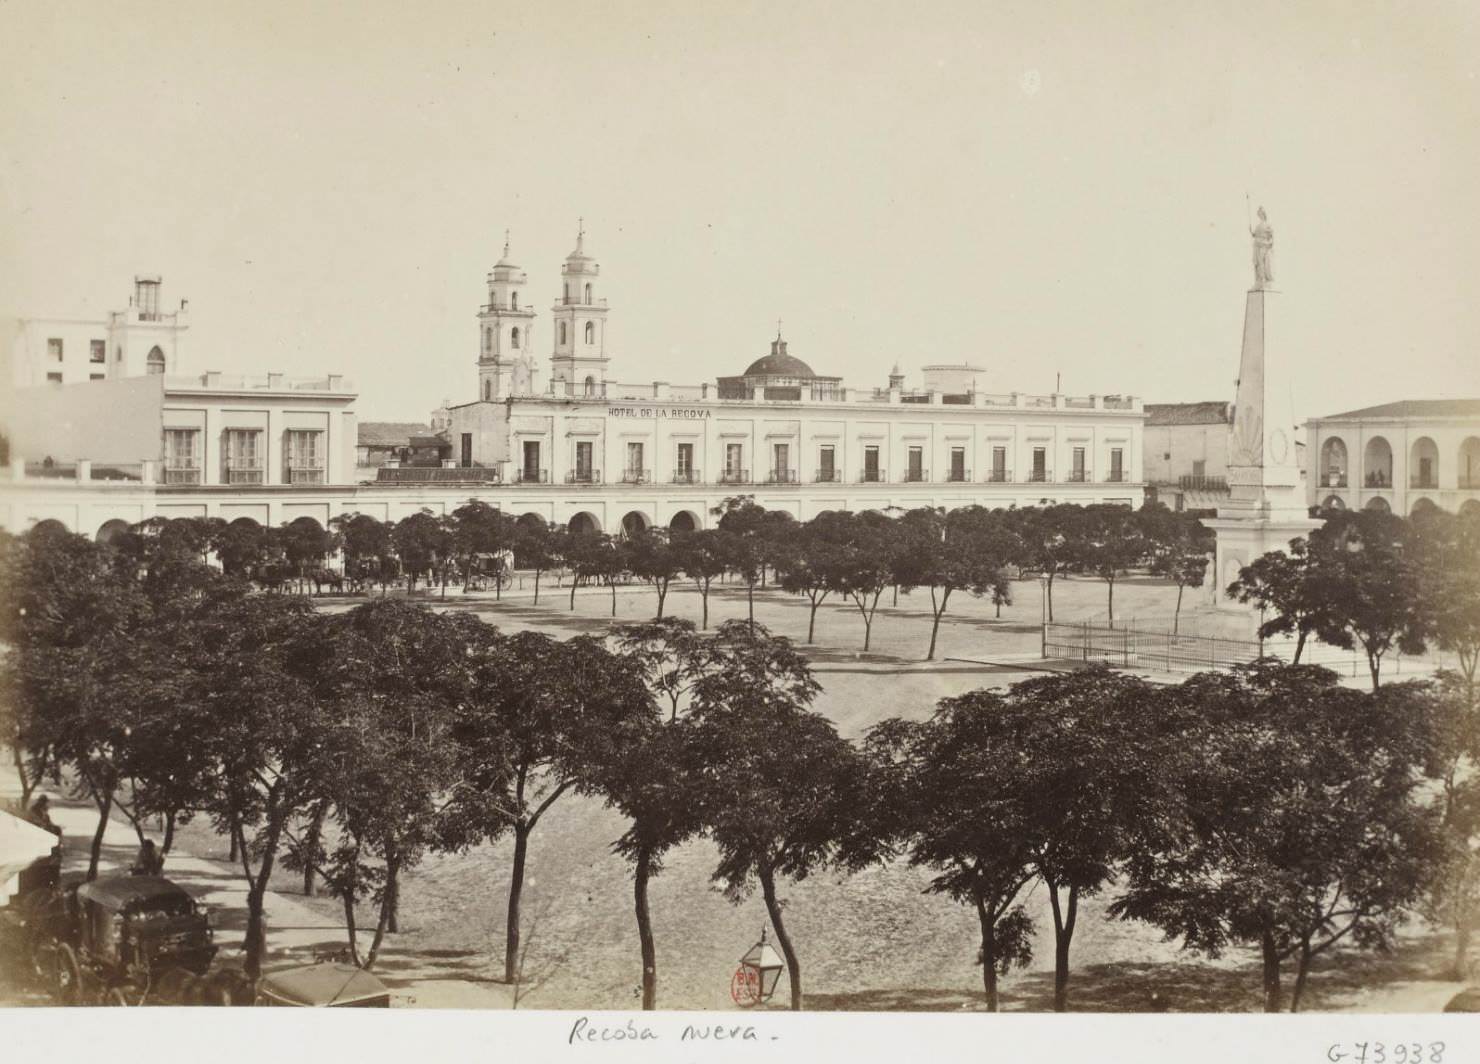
(506, 243)
(778, 328)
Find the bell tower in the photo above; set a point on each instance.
(505, 324)
(578, 364)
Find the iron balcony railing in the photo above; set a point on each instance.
(1076, 476)
(1117, 476)
(182, 475)
(305, 474)
(583, 476)
(916, 476)
(1378, 480)
(685, 476)
(781, 476)
(1469, 483)
(439, 475)
(1423, 482)
(637, 476)
(999, 476)
(533, 476)
(826, 476)
(873, 476)
(958, 476)
(735, 476)
(1333, 478)
(1039, 476)
(243, 471)
(1198, 482)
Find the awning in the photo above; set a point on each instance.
(22, 843)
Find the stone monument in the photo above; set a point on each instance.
(1266, 505)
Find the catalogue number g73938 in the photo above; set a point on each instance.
(1386, 1053)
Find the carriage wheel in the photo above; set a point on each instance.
(67, 977)
(171, 986)
(117, 998)
(43, 956)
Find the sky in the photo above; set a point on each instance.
(1050, 191)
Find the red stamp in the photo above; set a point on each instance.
(745, 987)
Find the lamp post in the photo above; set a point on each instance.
(755, 980)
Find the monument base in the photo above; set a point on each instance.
(1241, 540)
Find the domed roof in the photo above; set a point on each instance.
(779, 364)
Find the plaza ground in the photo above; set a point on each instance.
(875, 940)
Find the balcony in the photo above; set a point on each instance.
(781, 476)
(182, 474)
(1076, 476)
(916, 476)
(1039, 476)
(1468, 483)
(1425, 483)
(999, 476)
(532, 476)
(583, 476)
(1333, 478)
(685, 476)
(826, 476)
(637, 476)
(873, 476)
(735, 476)
(1198, 482)
(576, 301)
(1117, 476)
(958, 476)
(243, 471)
(305, 474)
(1378, 479)
(438, 475)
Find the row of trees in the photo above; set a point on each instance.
(1270, 807)
(1376, 583)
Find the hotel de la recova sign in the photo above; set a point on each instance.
(658, 412)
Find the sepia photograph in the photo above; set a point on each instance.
(646, 519)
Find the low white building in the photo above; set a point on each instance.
(1397, 456)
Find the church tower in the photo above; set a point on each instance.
(504, 327)
(578, 366)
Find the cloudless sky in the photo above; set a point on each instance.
(1036, 187)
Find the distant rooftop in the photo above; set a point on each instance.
(1211, 412)
(1406, 408)
(390, 433)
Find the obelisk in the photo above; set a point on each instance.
(1266, 505)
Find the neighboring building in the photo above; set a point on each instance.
(779, 377)
(141, 340)
(380, 442)
(1397, 456)
(1186, 453)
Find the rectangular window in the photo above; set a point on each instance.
(243, 456)
(1200, 467)
(870, 464)
(916, 471)
(467, 450)
(530, 472)
(54, 378)
(98, 350)
(181, 456)
(1117, 466)
(826, 468)
(734, 456)
(585, 461)
(683, 472)
(1040, 464)
(96, 376)
(1077, 474)
(999, 464)
(634, 473)
(781, 463)
(54, 349)
(958, 464)
(305, 456)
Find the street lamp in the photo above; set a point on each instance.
(755, 980)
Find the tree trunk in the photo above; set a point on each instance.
(574, 583)
(1300, 973)
(95, 854)
(704, 600)
(1273, 998)
(613, 585)
(1374, 666)
(169, 832)
(750, 603)
(1110, 602)
(1048, 594)
(233, 829)
(989, 954)
(1063, 935)
(311, 847)
(387, 908)
(935, 624)
(349, 927)
(1463, 929)
(1299, 646)
(645, 931)
(256, 938)
(812, 621)
(516, 888)
(662, 595)
(27, 784)
(393, 889)
(1177, 616)
(773, 908)
(537, 586)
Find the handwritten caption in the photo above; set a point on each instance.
(584, 1032)
(1386, 1053)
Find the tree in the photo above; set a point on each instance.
(595, 557)
(701, 557)
(305, 545)
(538, 546)
(1299, 823)
(1050, 539)
(421, 541)
(1180, 547)
(480, 529)
(937, 788)
(744, 542)
(671, 655)
(241, 547)
(538, 721)
(1109, 543)
(1289, 584)
(809, 563)
(780, 786)
(959, 550)
(1448, 565)
(369, 550)
(651, 556)
(866, 567)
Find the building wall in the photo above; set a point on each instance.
(31, 363)
(1456, 450)
(1171, 450)
(110, 420)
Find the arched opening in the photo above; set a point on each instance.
(514, 338)
(47, 528)
(1333, 463)
(1378, 505)
(583, 523)
(564, 337)
(1423, 464)
(513, 300)
(588, 293)
(683, 521)
(1422, 506)
(154, 364)
(590, 385)
(487, 389)
(1470, 509)
(1377, 464)
(487, 340)
(111, 531)
(634, 522)
(590, 332)
(1468, 464)
(1333, 502)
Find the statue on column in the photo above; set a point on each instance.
(1263, 235)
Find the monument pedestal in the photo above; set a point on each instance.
(1266, 505)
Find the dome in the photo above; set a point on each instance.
(779, 364)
